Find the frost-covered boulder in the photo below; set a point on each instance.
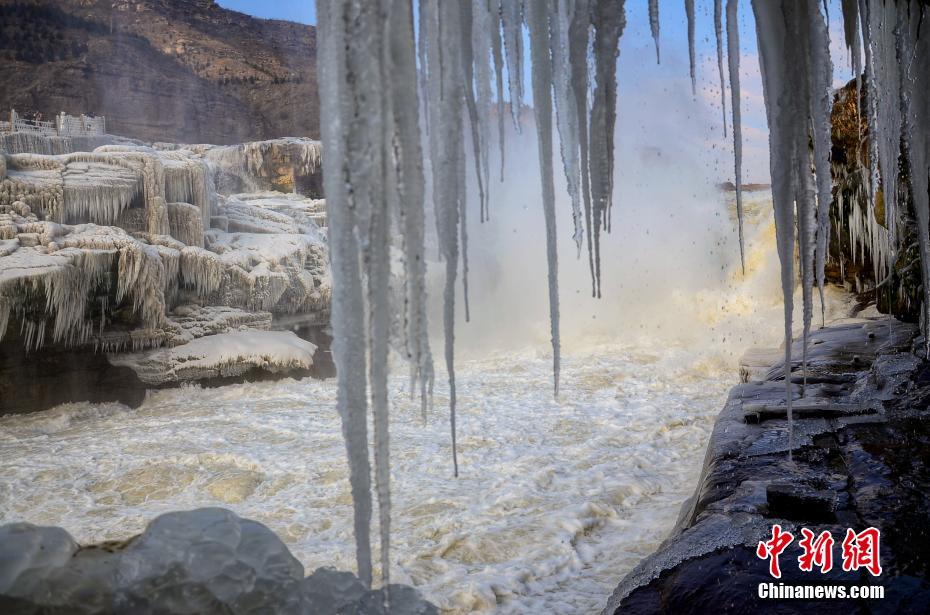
(202, 561)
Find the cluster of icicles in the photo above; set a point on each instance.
(400, 109)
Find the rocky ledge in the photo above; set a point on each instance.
(203, 561)
(860, 458)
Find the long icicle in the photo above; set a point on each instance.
(512, 20)
(609, 20)
(733, 63)
(345, 121)
(537, 18)
(567, 116)
(579, 36)
(718, 30)
(497, 53)
(821, 106)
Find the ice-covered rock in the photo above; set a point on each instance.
(202, 561)
(287, 165)
(222, 355)
(99, 247)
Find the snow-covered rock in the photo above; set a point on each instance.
(220, 356)
(99, 248)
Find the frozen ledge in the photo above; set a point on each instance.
(224, 355)
(202, 561)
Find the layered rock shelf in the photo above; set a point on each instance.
(130, 251)
(860, 424)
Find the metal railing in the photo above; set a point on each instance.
(64, 125)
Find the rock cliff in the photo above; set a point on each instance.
(160, 70)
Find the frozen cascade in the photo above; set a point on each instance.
(733, 52)
(718, 31)
(454, 41)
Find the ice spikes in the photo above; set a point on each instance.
(733, 52)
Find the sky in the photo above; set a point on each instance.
(665, 89)
(303, 11)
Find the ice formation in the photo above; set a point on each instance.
(374, 148)
(97, 249)
(374, 67)
(733, 64)
(689, 11)
(718, 32)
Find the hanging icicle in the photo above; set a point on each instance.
(733, 63)
(718, 31)
(794, 59)
(373, 181)
(689, 12)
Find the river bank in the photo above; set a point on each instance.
(859, 460)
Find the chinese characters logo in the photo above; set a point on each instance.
(859, 550)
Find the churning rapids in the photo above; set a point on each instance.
(555, 502)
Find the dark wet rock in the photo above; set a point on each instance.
(798, 502)
(203, 561)
(860, 458)
(31, 381)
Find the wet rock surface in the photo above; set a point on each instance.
(203, 561)
(859, 459)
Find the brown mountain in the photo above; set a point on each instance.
(185, 71)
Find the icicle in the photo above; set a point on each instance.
(407, 188)
(718, 30)
(850, 10)
(689, 11)
(733, 52)
(348, 127)
(512, 19)
(915, 90)
(567, 112)
(654, 25)
(482, 31)
(445, 107)
(871, 98)
(609, 20)
(468, 57)
(497, 54)
(821, 107)
(794, 62)
(537, 19)
(579, 38)
(886, 94)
